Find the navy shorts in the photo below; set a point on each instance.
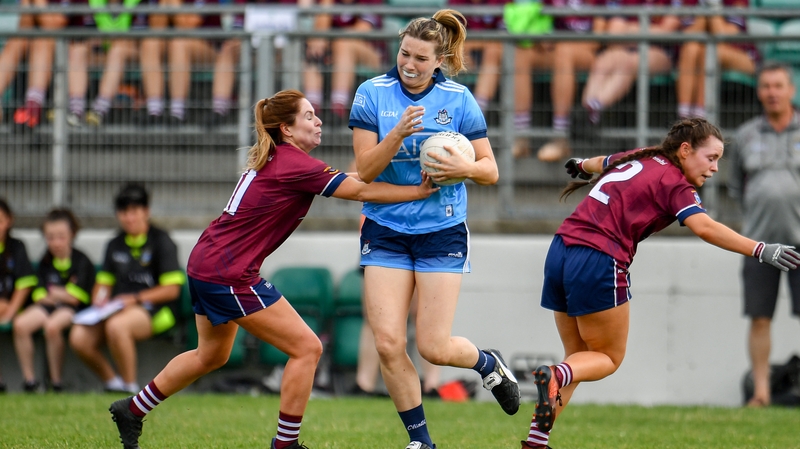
(580, 280)
(223, 303)
(445, 251)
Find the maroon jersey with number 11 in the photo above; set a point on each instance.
(630, 203)
(265, 208)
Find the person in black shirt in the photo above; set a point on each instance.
(140, 273)
(66, 277)
(16, 274)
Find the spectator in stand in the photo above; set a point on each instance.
(121, 51)
(225, 64)
(345, 54)
(614, 70)
(13, 51)
(183, 52)
(563, 59)
(40, 59)
(141, 274)
(66, 277)
(16, 274)
(739, 56)
(486, 55)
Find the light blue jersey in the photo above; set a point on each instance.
(449, 106)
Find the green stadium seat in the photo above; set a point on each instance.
(757, 26)
(347, 320)
(310, 291)
(778, 4)
(788, 50)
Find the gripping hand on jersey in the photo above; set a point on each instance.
(575, 169)
(782, 257)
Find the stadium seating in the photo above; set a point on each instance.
(310, 291)
(347, 321)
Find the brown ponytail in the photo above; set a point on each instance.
(270, 114)
(446, 29)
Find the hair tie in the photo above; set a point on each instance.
(434, 19)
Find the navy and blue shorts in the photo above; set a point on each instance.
(223, 303)
(579, 280)
(445, 251)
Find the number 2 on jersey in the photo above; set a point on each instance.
(632, 168)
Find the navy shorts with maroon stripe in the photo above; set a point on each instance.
(579, 280)
(223, 303)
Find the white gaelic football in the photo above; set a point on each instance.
(435, 145)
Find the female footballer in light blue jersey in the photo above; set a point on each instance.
(425, 243)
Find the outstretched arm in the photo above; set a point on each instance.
(780, 256)
(382, 192)
(584, 168)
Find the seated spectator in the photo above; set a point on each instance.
(40, 62)
(485, 55)
(65, 277)
(615, 68)
(225, 71)
(740, 56)
(140, 271)
(16, 274)
(122, 51)
(345, 54)
(13, 51)
(563, 59)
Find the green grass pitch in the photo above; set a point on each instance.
(239, 421)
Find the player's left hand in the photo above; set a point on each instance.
(454, 166)
(782, 257)
(426, 187)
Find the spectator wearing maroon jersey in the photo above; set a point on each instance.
(227, 57)
(344, 54)
(564, 59)
(615, 68)
(269, 202)
(737, 56)
(586, 279)
(486, 55)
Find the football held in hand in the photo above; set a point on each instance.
(435, 145)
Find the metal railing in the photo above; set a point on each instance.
(191, 194)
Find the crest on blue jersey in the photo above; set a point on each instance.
(443, 118)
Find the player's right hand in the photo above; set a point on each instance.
(782, 257)
(575, 169)
(411, 121)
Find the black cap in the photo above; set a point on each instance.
(131, 195)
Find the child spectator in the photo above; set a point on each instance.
(65, 277)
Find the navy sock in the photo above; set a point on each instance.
(485, 364)
(415, 423)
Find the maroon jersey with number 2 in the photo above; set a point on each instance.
(630, 203)
(264, 209)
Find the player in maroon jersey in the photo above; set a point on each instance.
(269, 202)
(586, 280)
